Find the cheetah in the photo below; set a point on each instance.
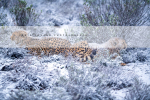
(52, 46)
(82, 50)
(114, 45)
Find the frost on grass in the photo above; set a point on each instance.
(34, 79)
(58, 78)
(83, 84)
(139, 91)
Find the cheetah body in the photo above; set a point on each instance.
(83, 50)
(52, 46)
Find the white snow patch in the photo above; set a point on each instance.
(141, 70)
(54, 65)
(119, 94)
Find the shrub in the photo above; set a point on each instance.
(4, 3)
(139, 91)
(3, 17)
(24, 14)
(84, 84)
(115, 13)
(27, 95)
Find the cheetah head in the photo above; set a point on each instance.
(19, 36)
(115, 43)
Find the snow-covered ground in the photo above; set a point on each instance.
(55, 77)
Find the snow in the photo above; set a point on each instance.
(119, 94)
(50, 70)
(57, 68)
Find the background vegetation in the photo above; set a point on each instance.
(22, 14)
(115, 12)
(111, 13)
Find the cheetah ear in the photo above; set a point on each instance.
(91, 56)
(94, 52)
